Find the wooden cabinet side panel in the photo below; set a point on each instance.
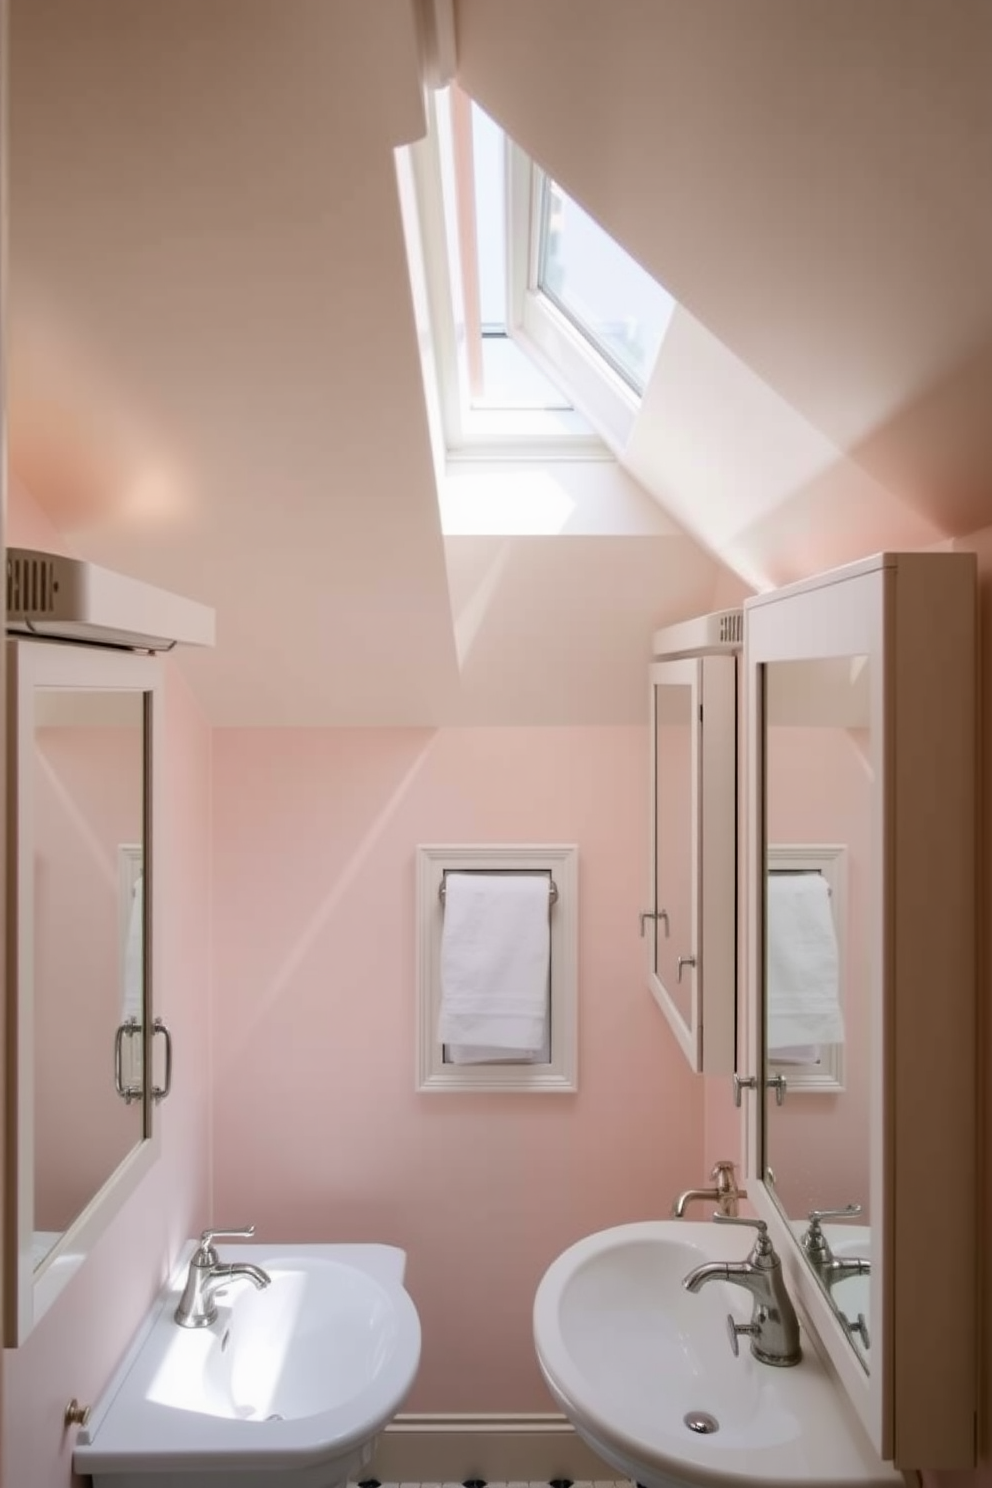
(931, 997)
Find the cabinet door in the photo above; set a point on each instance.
(861, 689)
(690, 926)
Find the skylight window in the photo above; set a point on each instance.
(505, 376)
(544, 331)
(603, 291)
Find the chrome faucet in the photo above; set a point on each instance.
(830, 1268)
(774, 1327)
(208, 1274)
(725, 1194)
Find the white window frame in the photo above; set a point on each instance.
(609, 406)
(560, 1074)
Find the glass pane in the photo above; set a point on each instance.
(489, 162)
(615, 303)
(88, 963)
(674, 768)
(818, 790)
(511, 380)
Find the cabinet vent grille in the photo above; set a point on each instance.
(31, 585)
(732, 627)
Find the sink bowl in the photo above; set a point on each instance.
(289, 1386)
(645, 1371)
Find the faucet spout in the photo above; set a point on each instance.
(839, 1269)
(709, 1271)
(220, 1275)
(724, 1194)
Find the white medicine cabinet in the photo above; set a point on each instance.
(860, 695)
(690, 924)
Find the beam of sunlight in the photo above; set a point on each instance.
(516, 501)
(234, 1039)
(104, 862)
(468, 621)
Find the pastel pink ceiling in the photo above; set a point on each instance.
(814, 184)
(215, 381)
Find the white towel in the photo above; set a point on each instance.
(132, 1052)
(495, 954)
(134, 972)
(802, 963)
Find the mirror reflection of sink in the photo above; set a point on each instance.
(291, 1383)
(852, 1295)
(645, 1372)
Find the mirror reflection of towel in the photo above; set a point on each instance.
(802, 964)
(133, 1003)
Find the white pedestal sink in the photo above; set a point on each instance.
(288, 1388)
(645, 1371)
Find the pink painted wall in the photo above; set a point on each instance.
(88, 800)
(77, 1345)
(318, 1132)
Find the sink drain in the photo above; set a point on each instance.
(701, 1422)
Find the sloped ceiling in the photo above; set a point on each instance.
(214, 372)
(813, 183)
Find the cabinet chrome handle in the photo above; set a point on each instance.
(128, 1029)
(684, 961)
(159, 1092)
(76, 1414)
(742, 1083)
(780, 1087)
(656, 915)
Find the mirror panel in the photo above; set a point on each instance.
(81, 751)
(88, 973)
(691, 924)
(816, 988)
(676, 704)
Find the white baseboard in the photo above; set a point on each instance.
(495, 1448)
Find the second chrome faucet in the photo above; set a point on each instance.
(208, 1274)
(774, 1327)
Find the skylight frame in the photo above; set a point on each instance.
(544, 332)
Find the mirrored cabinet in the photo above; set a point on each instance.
(861, 926)
(690, 924)
(84, 727)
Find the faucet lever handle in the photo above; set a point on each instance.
(763, 1247)
(756, 1224)
(848, 1212)
(208, 1237)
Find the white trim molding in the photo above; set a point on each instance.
(560, 1072)
(495, 1448)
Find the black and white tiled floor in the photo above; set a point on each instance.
(482, 1483)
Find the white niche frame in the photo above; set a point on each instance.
(560, 1074)
(829, 859)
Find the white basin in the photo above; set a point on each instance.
(289, 1386)
(628, 1355)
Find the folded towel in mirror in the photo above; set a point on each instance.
(802, 964)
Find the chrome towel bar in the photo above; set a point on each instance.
(552, 886)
